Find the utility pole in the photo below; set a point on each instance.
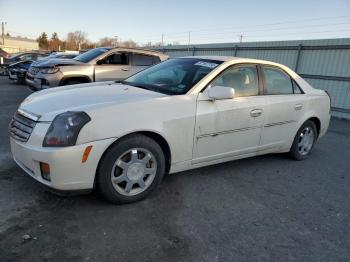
(3, 32)
(189, 41)
(162, 41)
(116, 40)
(241, 38)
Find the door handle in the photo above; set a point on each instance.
(256, 112)
(298, 107)
(125, 69)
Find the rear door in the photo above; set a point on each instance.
(285, 105)
(115, 66)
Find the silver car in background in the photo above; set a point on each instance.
(56, 55)
(99, 64)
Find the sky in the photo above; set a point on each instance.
(181, 21)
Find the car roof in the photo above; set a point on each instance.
(136, 49)
(234, 58)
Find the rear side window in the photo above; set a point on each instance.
(277, 82)
(27, 57)
(145, 60)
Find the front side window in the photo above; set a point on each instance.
(144, 60)
(244, 80)
(277, 82)
(174, 76)
(116, 59)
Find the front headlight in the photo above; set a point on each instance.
(65, 128)
(49, 70)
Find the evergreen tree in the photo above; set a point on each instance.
(43, 42)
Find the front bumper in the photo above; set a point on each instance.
(42, 81)
(67, 171)
(12, 75)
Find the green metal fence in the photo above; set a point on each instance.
(325, 63)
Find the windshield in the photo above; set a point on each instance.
(53, 55)
(89, 55)
(173, 77)
(15, 55)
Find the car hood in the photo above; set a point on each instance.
(38, 62)
(58, 62)
(20, 64)
(83, 97)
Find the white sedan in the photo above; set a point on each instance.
(184, 113)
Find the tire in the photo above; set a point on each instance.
(122, 165)
(308, 132)
(72, 82)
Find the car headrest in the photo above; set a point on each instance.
(233, 79)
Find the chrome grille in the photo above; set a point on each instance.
(34, 70)
(21, 127)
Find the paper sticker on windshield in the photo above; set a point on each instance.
(206, 64)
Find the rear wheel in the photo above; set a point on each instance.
(131, 169)
(304, 141)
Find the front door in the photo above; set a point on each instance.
(230, 127)
(114, 66)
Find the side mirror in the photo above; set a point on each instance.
(100, 62)
(220, 92)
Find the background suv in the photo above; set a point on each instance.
(99, 64)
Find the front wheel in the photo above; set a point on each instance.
(72, 82)
(304, 141)
(131, 169)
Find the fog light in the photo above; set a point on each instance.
(45, 171)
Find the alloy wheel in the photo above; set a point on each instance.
(134, 171)
(306, 140)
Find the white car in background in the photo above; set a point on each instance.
(184, 113)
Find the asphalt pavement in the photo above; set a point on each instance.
(267, 208)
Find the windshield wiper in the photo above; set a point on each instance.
(139, 86)
(134, 84)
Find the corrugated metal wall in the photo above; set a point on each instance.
(325, 63)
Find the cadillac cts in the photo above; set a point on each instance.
(184, 113)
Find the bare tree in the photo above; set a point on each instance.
(54, 42)
(106, 41)
(76, 39)
(128, 43)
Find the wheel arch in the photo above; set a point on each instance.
(75, 77)
(317, 122)
(151, 134)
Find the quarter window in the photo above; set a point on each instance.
(296, 88)
(277, 82)
(243, 79)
